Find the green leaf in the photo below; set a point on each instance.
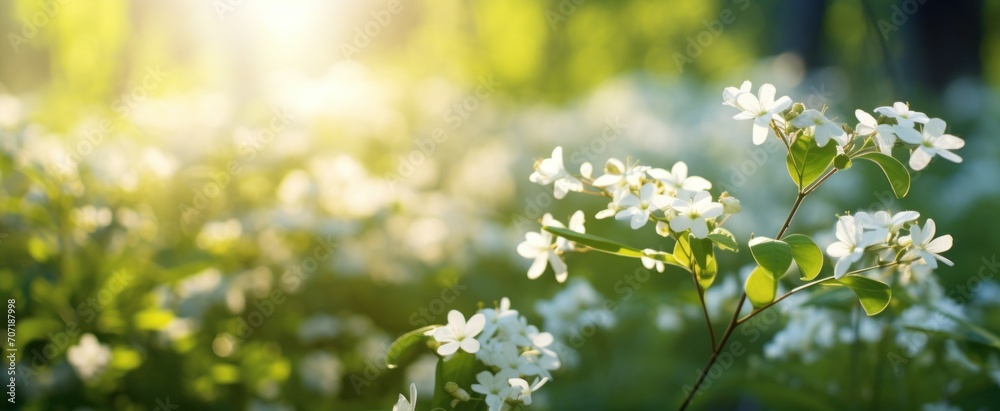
(724, 239)
(774, 255)
(460, 369)
(806, 161)
(608, 246)
(873, 294)
(806, 254)
(842, 162)
(894, 171)
(404, 343)
(682, 251)
(704, 261)
(595, 242)
(761, 287)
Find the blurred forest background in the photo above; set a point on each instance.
(244, 201)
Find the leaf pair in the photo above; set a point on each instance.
(807, 162)
(773, 258)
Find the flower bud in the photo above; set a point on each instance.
(587, 170)
(730, 205)
(796, 109)
(456, 391)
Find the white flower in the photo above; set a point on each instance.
(638, 208)
(539, 246)
(677, 179)
(932, 142)
(615, 205)
(730, 205)
(650, 262)
(459, 334)
(495, 316)
(551, 170)
(729, 94)
(884, 136)
(882, 220)
(403, 404)
(618, 174)
(822, 128)
(493, 384)
(587, 170)
(694, 214)
(762, 108)
(575, 223)
(852, 244)
(901, 112)
(519, 392)
(89, 357)
(925, 246)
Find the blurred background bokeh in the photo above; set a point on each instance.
(237, 204)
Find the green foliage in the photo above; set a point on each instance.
(895, 172)
(724, 239)
(874, 295)
(773, 255)
(609, 246)
(806, 254)
(807, 162)
(405, 343)
(460, 369)
(698, 255)
(761, 287)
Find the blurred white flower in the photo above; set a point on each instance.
(822, 128)
(923, 244)
(519, 392)
(216, 236)
(882, 220)
(318, 327)
(694, 214)
(89, 357)
(552, 171)
(761, 108)
(407, 405)
(321, 372)
(650, 262)
(459, 334)
(902, 113)
(539, 246)
(494, 316)
(493, 384)
(932, 142)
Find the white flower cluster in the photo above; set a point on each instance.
(574, 308)
(672, 199)
(511, 349)
(924, 136)
(881, 233)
